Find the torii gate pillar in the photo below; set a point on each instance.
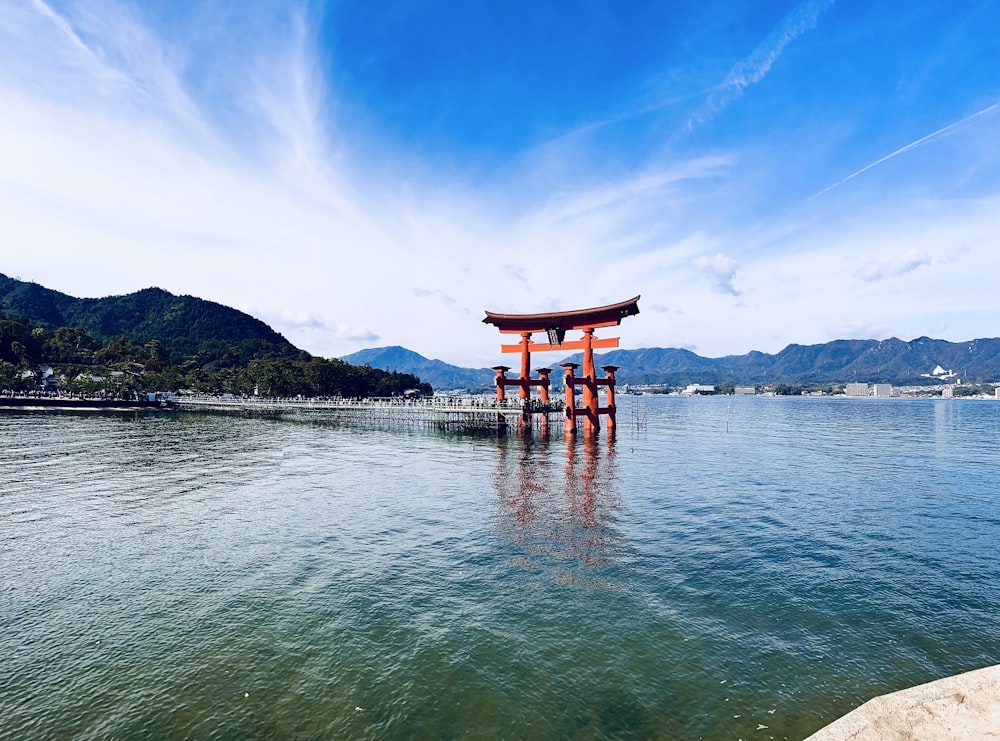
(555, 325)
(610, 371)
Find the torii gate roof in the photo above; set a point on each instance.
(600, 316)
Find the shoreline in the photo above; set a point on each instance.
(56, 403)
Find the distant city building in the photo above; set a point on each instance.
(948, 392)
(882, 390)
(698, 388)
(857, 389)
(649, 388)
(940, 374)
(745, 391)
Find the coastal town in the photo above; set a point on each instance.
(853, 390)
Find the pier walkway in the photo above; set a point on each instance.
(464, 414)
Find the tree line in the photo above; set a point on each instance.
(84, 364)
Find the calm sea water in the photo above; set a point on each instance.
(189, 576)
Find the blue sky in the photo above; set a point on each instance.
(360, 174)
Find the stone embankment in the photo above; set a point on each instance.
(964, 707)
(78, 403)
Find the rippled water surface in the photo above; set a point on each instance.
(726, 565)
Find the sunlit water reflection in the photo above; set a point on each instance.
(213, 576)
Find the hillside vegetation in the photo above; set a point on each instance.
(153, 340)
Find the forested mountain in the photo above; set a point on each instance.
(437, 373)
(154, 341)
(184, 326)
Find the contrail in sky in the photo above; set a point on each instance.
(753, 68)
(912, 145)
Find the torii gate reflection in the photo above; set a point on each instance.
(559, 511)
(555, 325)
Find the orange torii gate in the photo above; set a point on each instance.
(555, 325)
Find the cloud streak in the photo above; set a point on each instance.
(134, 156)
(913, 145)
(436, 294)
(753, 68)
(907, 263)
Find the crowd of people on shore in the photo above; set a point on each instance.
(101, 396)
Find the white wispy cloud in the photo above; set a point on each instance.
(123, 174)
(721, 271)
(856, 330)
(516, 272)
(355, 334)
(894, 267)
(291, 320)
(752, 69)
(288, 89)
(107, 58)
(436, 294)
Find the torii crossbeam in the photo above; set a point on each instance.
(555, 325)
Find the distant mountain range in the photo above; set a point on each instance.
(189, 327)
(841, 361)
(446, 377)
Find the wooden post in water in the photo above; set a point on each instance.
(609, 382)
(591, 403)
(570, 382)
(501, 380)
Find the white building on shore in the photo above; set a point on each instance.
(697, 388)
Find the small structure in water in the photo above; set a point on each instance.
(555, 325)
